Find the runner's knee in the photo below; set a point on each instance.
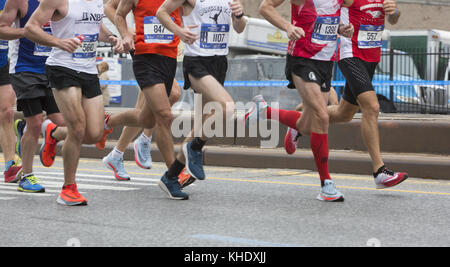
(6, 113)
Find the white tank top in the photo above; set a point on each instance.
(213, 18)
(83, 19)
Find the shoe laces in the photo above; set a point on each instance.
(388, 171)
(32, 179)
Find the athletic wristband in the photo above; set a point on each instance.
(239, 16)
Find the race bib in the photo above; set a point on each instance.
(214, 36)
(88, 49)
(155, 32)
(3, 46)
(369, 36)
(40, 50)
(325, 30)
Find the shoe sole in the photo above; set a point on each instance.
(339, 199)
(16, 131)
(20, 189)
(61, 201)
(382, 186)
(166, 190)
(41, 151)
(287, 139)
(136, 157)
(110, 167)
(188, 182)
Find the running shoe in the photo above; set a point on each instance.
(30, 184)
(185, 178)
(291, 140)
(47, 152)
(19, 127)
(194, 161)
(385, 178)
(329, 192)
(142, 154)
(69, 196)
(172, 188)
(12, 175)
(257, 112)
(102, 143)
(116, 165)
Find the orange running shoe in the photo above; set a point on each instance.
(48, 148)
(102, 143)
(185, 178)
(69, 196)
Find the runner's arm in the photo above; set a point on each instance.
(390, 8)
(120, 20)
(35, 32)
(111, 8)
(163, 15)
(10, 12)
(107, 37)
(239, 22)
(269, 12)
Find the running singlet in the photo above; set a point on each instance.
(367, 16)
(213, 18)
(151, 36)
(83, 20)
(26, 56)
(3, 43)
(319, 19)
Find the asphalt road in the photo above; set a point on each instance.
(234, 207)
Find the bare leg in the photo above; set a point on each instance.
(211, 91)
(7, 136)
(369, 126)
(69, 102)
(29, 141)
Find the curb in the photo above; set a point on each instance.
(416, 165)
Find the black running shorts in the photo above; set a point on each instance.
(310, 70)
(358, 74)
(199, 67)
(35, 106)
(34, 94)
(4, 75)
(61, 78)
(152, 69)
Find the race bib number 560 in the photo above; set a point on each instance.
(88, 48)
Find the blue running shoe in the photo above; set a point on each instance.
(30, 184)
(329, 192)
(116, 165)
(19, 127)
(194, 161)
(142, 154)
(172, 187)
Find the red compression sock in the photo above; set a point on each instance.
(319, 146)
(286, 117)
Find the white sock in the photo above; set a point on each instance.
(145, 138)
(116, 154)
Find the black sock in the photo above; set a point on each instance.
(175, 169)
(379, 171)
(197, 144)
